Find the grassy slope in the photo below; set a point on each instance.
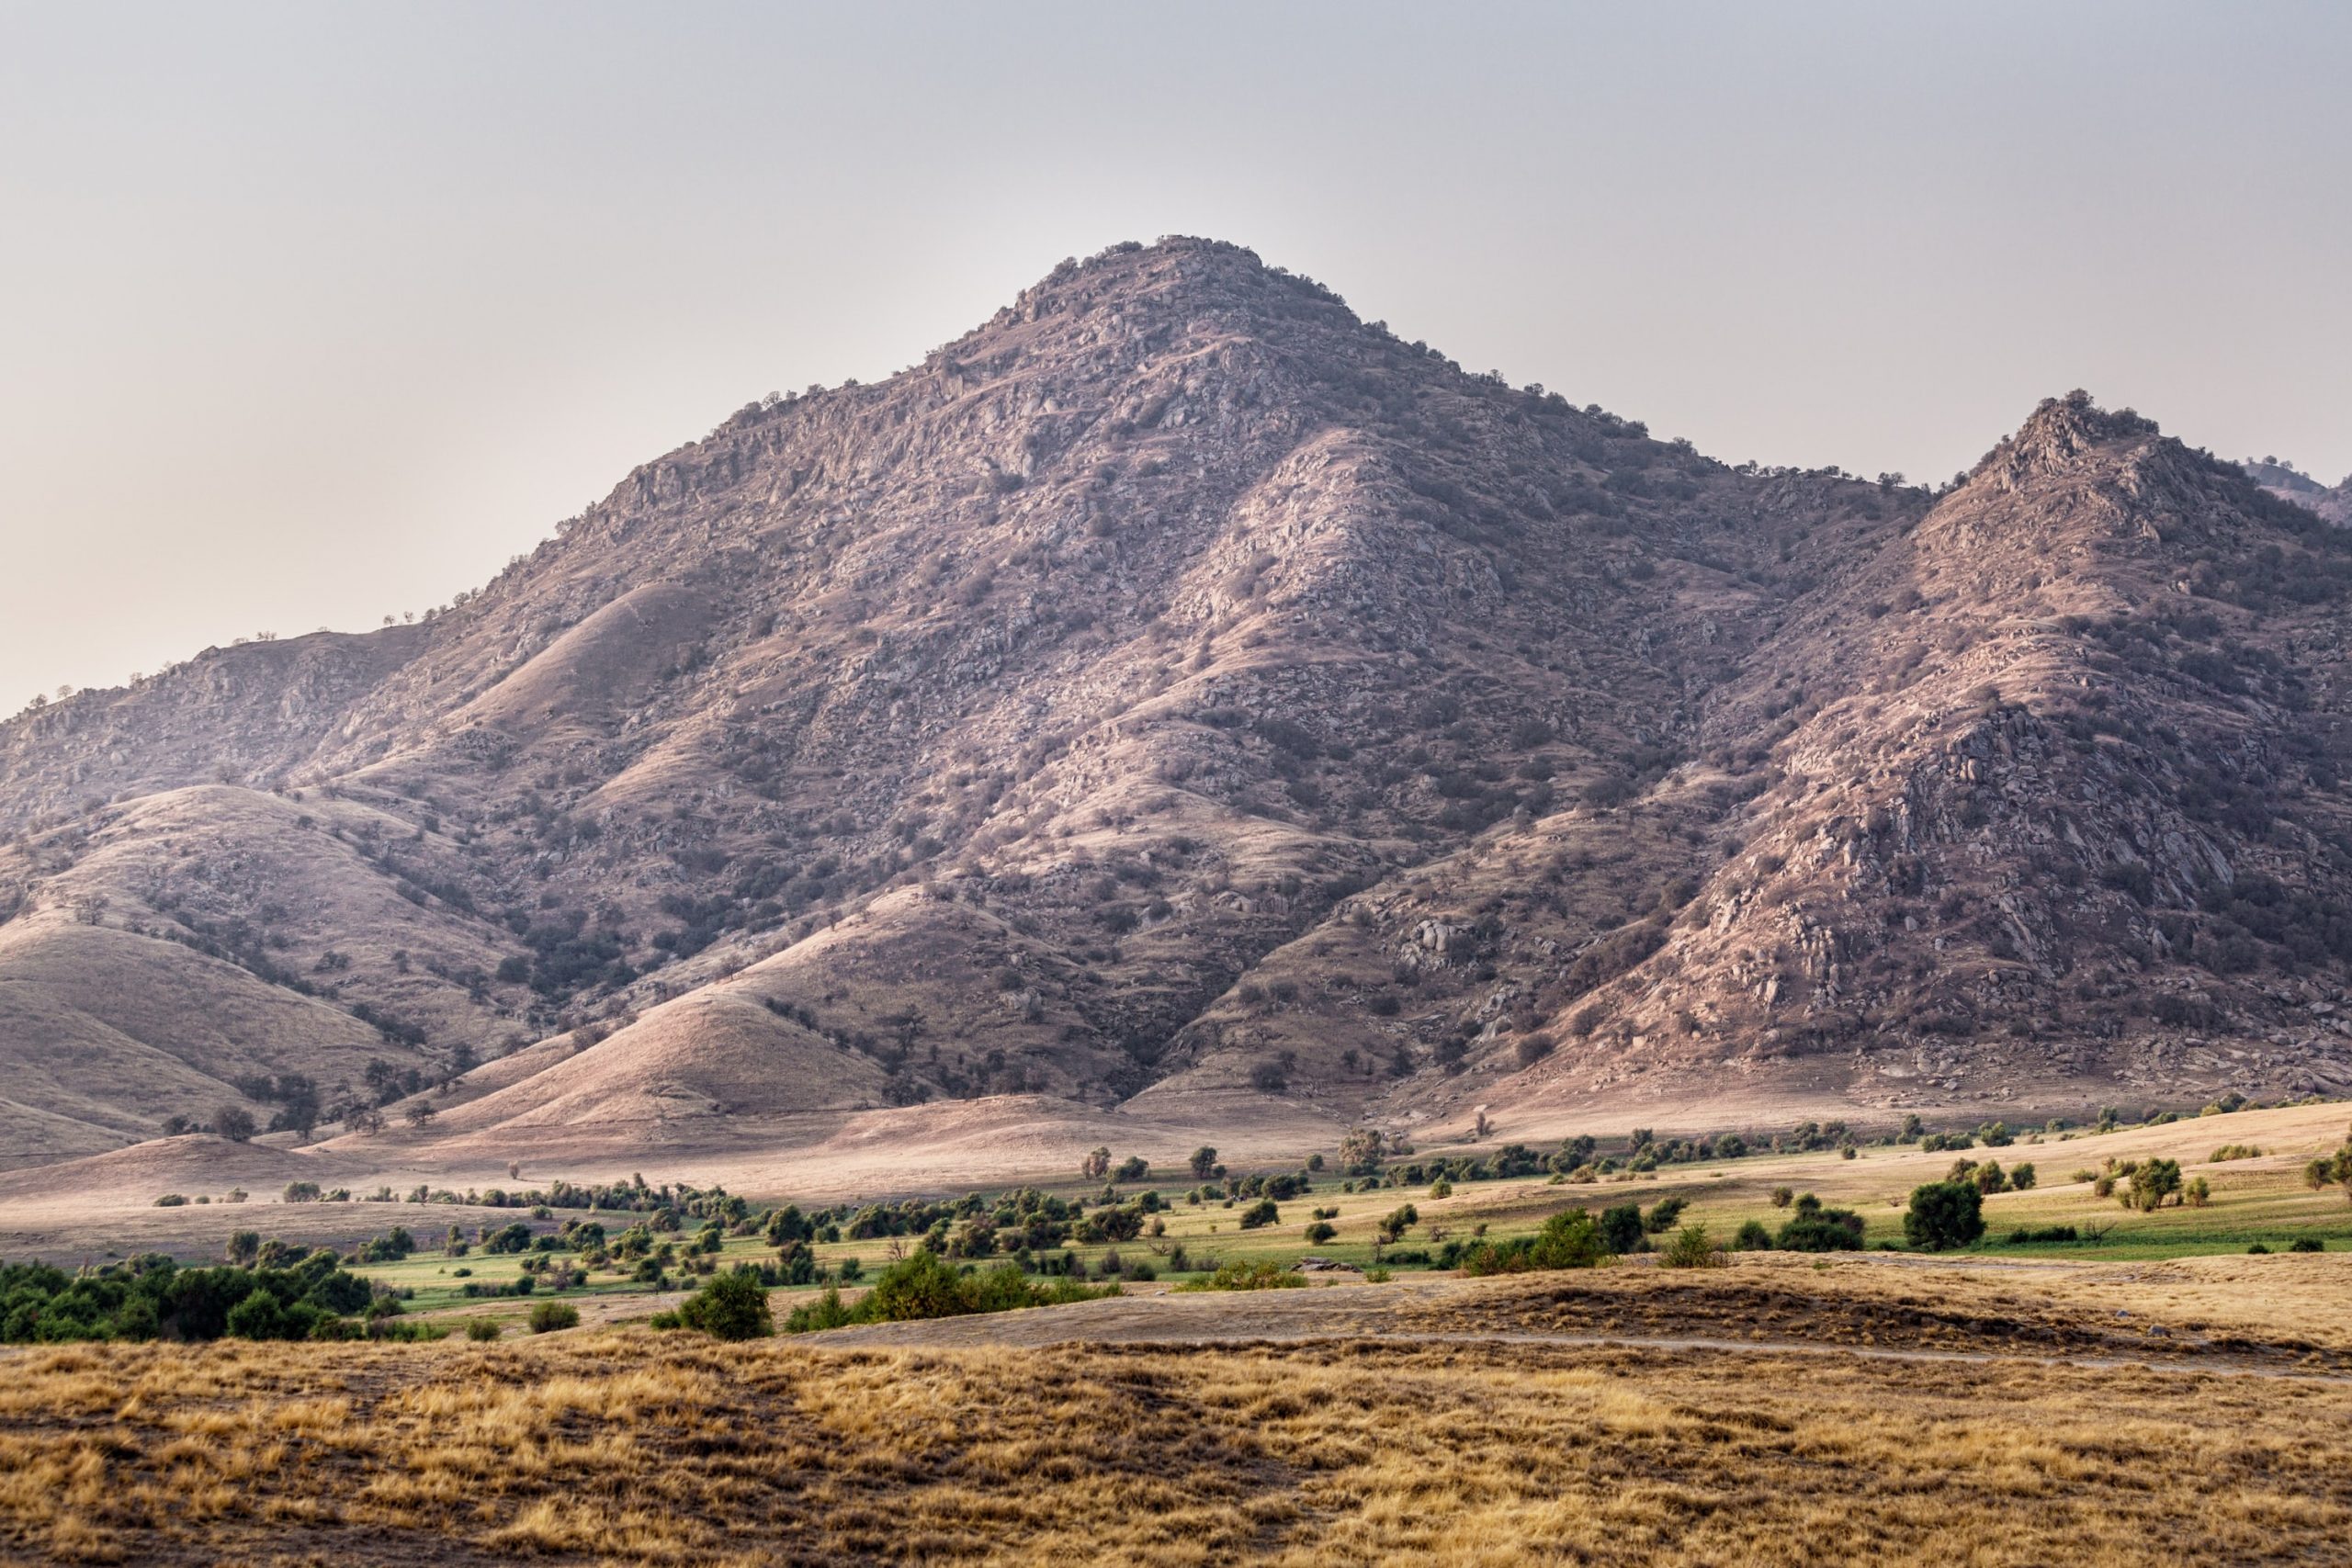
(2254, 1200)
(628, 1448)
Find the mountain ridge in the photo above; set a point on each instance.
(1180, 695)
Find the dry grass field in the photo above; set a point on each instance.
(1877, 1410)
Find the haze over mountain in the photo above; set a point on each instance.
(1181, 699)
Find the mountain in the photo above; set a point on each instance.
(2291, 484)
(1179, 700)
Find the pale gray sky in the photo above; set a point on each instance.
(311, 313)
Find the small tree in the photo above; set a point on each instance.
(1691, 1249)
(419, 1112)
(1096, 1165)
(1944, 1214)
(1397, 1222)
(2153, 1181)
(232, 1122)
(733, 1306)
(1620, 1227)
(1203, 1164)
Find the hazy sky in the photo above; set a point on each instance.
(310, 312)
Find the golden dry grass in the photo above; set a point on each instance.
(632, 1448)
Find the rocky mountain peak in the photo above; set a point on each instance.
(1177, 695)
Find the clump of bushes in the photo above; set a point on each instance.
(926, 1286)
(1817, 1229)
(1569, 1240)
(1945, 1215)
(151, 1297)
(1238, 1276)
(1691, 1249)
(733, 1306)
(548, 1317)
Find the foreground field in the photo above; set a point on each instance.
(1770, 1412)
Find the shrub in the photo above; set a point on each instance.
(1691, 1249)
(1816, 1229)
(2153, 1181)
(1569, 1240)
(825, 1312)
(2026, 1236)
(481, 1330)
(1661, 1217)
(1263, 1213)
(1620, 1227)
(547, 1317)
(2197, 1193)
(733, 1306)
(1319, 1232)
(924, 1286)
(1753, 1237)
(2258, 1251)
(1397, 1221)
(1944, 1214)
(2022, 1178)
(1260, 1275)
(1783, 1196)
(2232, 1151)
(2307, 1244)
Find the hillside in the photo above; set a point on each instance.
(1181, 698)
(2290, 483)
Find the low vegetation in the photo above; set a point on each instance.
(153, 1298)
(926, 1286)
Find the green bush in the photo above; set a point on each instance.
(925, 1286)
(1691, 1249)
(1944, 1214)
(547, 1317)
(302, 1296)
(2153, 1181)
(1260, 1275)
(1620, 1227)
(481, 1330)
(1321, 1231)
(1263, 1213)
(1753, 1236)
(733, 1306)
(1569, 1240)
(1816, 1229)
(2307, 1244)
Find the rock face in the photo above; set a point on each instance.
(1179, 692)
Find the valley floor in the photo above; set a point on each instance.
(1776, 1410)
